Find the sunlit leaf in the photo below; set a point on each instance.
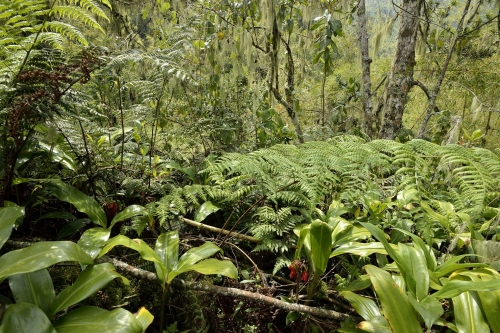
(35, 288)
(25, 318)
(204, 210)
(8, 216)
(129, 212)
(365, 307)
(93, 319)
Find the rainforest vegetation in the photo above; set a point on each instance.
(249, 166)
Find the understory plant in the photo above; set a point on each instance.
(169, 265)
(37, 308)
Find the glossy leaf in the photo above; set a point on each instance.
(25, 318)
(145, 317)
(361, 249)
(375, 325)
(39, 256)
(416, 276)
(129, 212)
(207, 267)
(167, 248)
(321, 246)
(35, 288)
(83, 203)
(468, 313)
(454, 288)
(8, 216)
(93, 319)
(365, 307)
(58, 155)
(196, 254)
(93, 240)
(204, 210)
(419, 243)
(397, 308)
(138, 245)
(56, 215)
(72, 227)
(430, 310)
(90, 280)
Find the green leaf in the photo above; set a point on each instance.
(90, 280)
(145, 317)
(39, 256)
(58, 155)
(93, 319)
(56, 215)
(72, 227)
(454, 288)
(396, 307)
(205, 209)
(139, 245)
(167, 248)
(35, 288)
(129, 212)
(365, 307)
(92, 241)
(361, 249)
(208, 267)
(25, 318)
(417, 276)
(191, 257)
(376, 325)
(82, 202)
(321, 245)
(8, 216)
(469, 317)
(430, 310)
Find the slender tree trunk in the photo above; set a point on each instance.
(432, 100)
(401, 76)
(368, 120)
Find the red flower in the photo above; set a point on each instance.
(305, 276)
(293, 272)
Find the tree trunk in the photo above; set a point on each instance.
(401, 76)
(368, 120)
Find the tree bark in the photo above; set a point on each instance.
(368, 120)
(401, 76)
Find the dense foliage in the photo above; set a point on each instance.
(272, 165)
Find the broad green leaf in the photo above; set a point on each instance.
(376, 325)
(83, 203)
(90, 280)
(145, 317)
(25, 318)
(451, 265)
(205, 209)
(56, 215)
(93, 319)
(129, 212)
(418, 242)
(39, 256)
(380, 236)
(395, 304)
(196, 254)
(8, 216)
(304, 239)
(417, 276)
(72, 227)
(139, 245)
(35, 288)
(321, 245)
(207, 267)
(167, 248)
(58, 155)
(490, 300)
(454, 288)
(469, 317)
(430, 310)
(361, 249)
(365, 307)
(93, 240)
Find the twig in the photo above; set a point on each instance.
(222, 231)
